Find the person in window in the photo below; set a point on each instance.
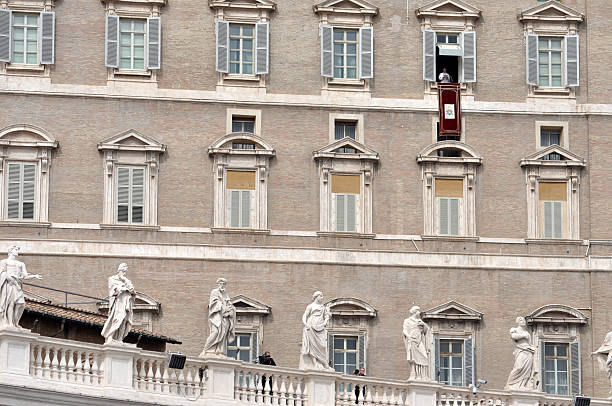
(445, 77)
(359, 372)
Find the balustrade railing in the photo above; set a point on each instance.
(263, 385)
(151, 374)
(459, 396)
(351, 390)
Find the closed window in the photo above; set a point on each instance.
(451, 362)
(130, 194)
(346, 354)
(556, 368)
(345, 53)
(240, 347)
(345, 129)
(25, 38)
(345, 195)
(20, 194)
(132, 38)
(550, 62)
(449, 199)
(243, 125)
(548, 137)
(241, 38)
(553, 198)
(241, 192)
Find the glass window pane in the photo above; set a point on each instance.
(247, 56)
(543, 43)
(18, 33)
(555, 44)
(139, 39)
(441, 38)
(351, 344)
(555, 57)
(244, 355)
(232, 353)
(338, 34)
(561, 365)
(457, 362)
(338, 358)
(32, 19)
(234, 29)
(543, 58)
(351, 357)
(138, 52)
(139, 25)
(138, 63)
(32, 34)
(338, 72)
(234, 68)
(351, 73)
(549, 350)
(122, 213)
(351, 61)
(18, 19)
(351, 48)
(556, 81)
(562, 390)
(247, 44)
(245, 340)
(562, 378)
(18, 46)
(457, 377)
(562, 351)
(550, 364)
(125, 24)
(351, 35)
(444, 375)
(457, 348)
(247, 30)
(247, 69)
(452, 39)
(126, 39)
(338, 343)
(136, 214)
(444, 346)
(339, 60)
(444, 362)
(550, 378)
(249, 127)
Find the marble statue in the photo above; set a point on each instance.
(604, 357)
(221, 320)
(415, 333)
(314, 337)
(12, 300)
(121, 307)
(523, 376)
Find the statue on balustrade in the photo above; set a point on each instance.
(221, 321)
(314, 336)
(415, 333)
(12, 300)
(604, 357)
(523, 376)
(121, 307)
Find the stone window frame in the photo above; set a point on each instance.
(356, 117)
(32, 6)
(562, 125)
(539, 170)
(353, 322)
(250, 315)
(259, 11)
(145, 153)
(464, 168)
(257, 160)
(363, 163)
(146, 309)
(27, 143)
(433, 17)
(454, 321)
(558, 323)
(564, 23)
(252, 113)
(142, 9)
(361, 15)
(435, 120)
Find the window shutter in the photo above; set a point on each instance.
(436, 373)
(548, 219)
(254, 346)
(468, 359)
(28, 191)
(557, 219)
(469, 56)
(123, 194)
(575, 370)
(137, 202)
(330, 349)
(532, 59)
(542, 366)
(366, 52)
(443, 215)
(234, 208)
(572, 60)
(262, 45)
(429, 55)
(245, 209)
(154, 42)
(327, 51)
(361, 345)
(454, 216)
(222, 46)
(14, 184)
(340, 213)
(5, 35)
(47, 38)
(351, 213)
(112, 41)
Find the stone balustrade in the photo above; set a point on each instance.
(39, 371)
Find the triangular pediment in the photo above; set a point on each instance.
(347, 144)
(452, 310)
(552, 10)
(245, 304)
(345, 5)
(448, 7)
(540, 157)
(242, 3)
(131, 137)
(557, 314)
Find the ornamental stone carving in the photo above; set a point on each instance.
(522, 377)
(121, 295)
(418, 356)
(314, 336)
(221, 321)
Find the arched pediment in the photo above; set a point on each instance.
(468, 154)
(26, 135)
(557, 313)
(350, 306)
(224, 144)
(131, 140)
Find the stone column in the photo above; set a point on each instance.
(321, 387)
(15, 353)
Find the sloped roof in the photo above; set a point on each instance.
(83, 317)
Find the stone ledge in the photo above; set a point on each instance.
(345, 235)
(128, 227)
(35, 224)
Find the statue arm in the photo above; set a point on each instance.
(305, 317)
(26, 275)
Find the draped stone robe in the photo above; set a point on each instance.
(121, 310)
(221, 320)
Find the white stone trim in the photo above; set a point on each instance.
(358, 118)
(563, 125)
(254, 113)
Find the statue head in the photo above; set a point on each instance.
(318, 296)
(123, 267)
(221, 282)
(13, 250)
(415, 310)
(520, 321)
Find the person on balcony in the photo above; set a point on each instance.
(12, 301)
(445, 77)
(221, 321)
(314, 336)
(121, 307)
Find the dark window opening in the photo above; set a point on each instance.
(548, 137)
(243, 125)
(445, 137)
(449, 152)
(242, 145)
(345, 129)
(346, 150)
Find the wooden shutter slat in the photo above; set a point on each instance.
(351, 213)
(340, 213)
(327, 51)
(468, 359)
(112, 41)
(454, 216)
(469, 56)
(429, 55)
(154, 42)
(575, 370)
(572, 60)
(14, 186)
(234, 208)
(532, 59)
(366, 52)
(443, 215)
(47, 38)
(5, 35)
(262, 48)
(245, 215)
(222, 46)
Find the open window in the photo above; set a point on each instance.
(448, 170)
(241, 163)
(553, 193)
(346, 170)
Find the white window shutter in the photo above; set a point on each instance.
(542, 365)
(366, 52)
(330, 349)
(572, 60)
(429, 55)
(112, 41)
(222, 46)
(123, 194)
(436, 376)
(234, 202)
(454, 216)
(361, 345)
(532, 59)
(28, 191)
(262, 54)
(469, 56)
(548, 219)
(468, 360)
(557, 219)
(14, 186)
(5, 35)
(575, 370)
(47, 38)
(351, 213)
(327, 51)
(340, 213)
(443, 215)
(245, 209)
(154, 42)
(137, 190)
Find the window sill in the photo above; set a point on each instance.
(222, 230)
(25, 223)
(560, 91)
(434, 86)
(346, 82)
(133, 72)
(134, 227)
(24, 68)
(553, 241)
(342, 234)
(235, 76)
(448, 238)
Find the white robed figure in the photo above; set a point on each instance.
(314, 337)
(414, 331)
(522, 376)
(12, 300)
(604, 357)
(121, 306)
(221, 321)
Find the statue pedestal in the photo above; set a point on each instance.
(321, 387)
(525, 398)
(15, 351)
(422, 393)
(118, 368)
(220, 385)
